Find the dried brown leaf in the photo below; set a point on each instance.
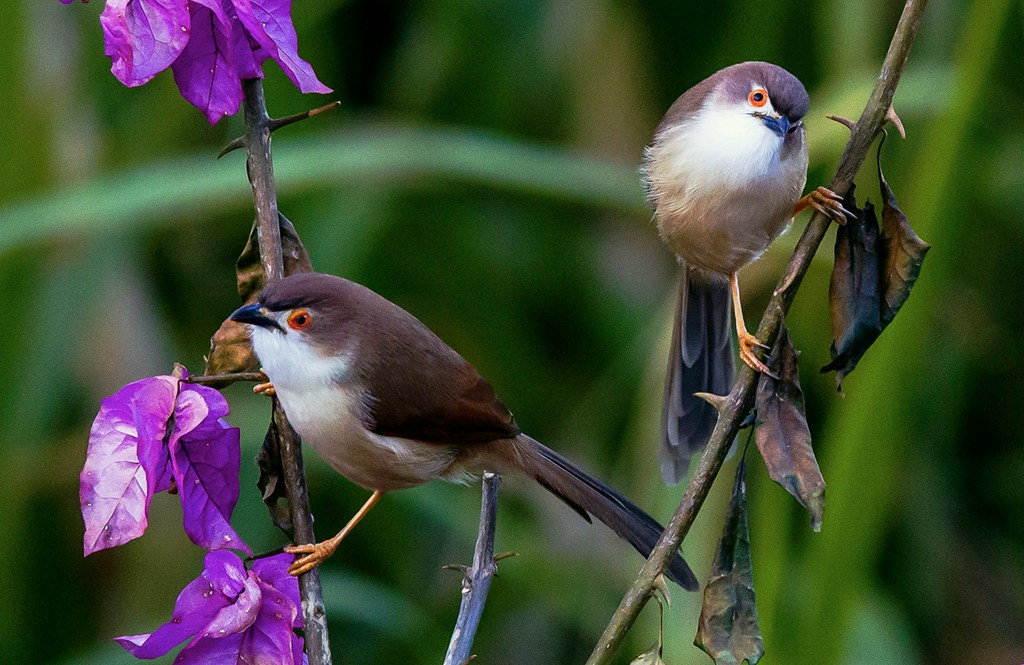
(870, 271)
(901, 253)
(728, 629)
(271, 480)
(782, 434)
(229, 348)
(854, 291)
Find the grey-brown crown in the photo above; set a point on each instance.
(785, 91)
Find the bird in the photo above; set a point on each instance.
(724, 174)
(389, 406)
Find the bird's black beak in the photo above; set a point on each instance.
(778, 125)
(253, 315)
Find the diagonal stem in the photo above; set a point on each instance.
(740, 399)
(260, 169)
(477, 581)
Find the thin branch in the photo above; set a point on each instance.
(230, 377)
(740, 399)
(477, 580)
(278, 123)
(261, 176)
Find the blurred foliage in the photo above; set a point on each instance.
(482, 174)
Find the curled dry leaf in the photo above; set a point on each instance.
(728, 629)
(854, 290)
(271, 480)
(230, 350)
(901, 254)
(782, 434)
(871, 279)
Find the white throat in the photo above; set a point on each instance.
(721, 146)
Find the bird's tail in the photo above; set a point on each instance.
(589, 496)
(701, 360)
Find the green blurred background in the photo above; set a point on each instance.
(482, 174)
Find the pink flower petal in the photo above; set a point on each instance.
(269, 23)
(124, 462)
(205, 458)
(143, 37)
(205, 72)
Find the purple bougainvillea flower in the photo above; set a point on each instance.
(205, 457)
(132, 455)
(232, 616)
(143, 37)
(125, 460)
(211, 45)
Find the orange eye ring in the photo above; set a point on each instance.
(758, 97)
(300, 319)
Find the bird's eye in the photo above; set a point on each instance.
(300, 319)
(758, 97)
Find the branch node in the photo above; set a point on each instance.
(277, 123)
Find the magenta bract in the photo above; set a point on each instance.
(231, 615)
(211, 45)
(148, 433)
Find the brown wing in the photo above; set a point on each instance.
(466, 411)
(421, 389)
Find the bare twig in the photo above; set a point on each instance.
(231, 377)
(477, 580)
(276, 124)
(735, 407)
(261, 176)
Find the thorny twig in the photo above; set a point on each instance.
(261, 176)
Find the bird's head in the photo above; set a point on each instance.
(767, 93)
(303, 328)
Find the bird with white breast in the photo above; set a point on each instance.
(724, 173)
(390, 406)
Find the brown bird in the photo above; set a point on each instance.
(724, 173)
(390, 406)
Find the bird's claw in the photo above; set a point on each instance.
(747, 355)
(314, 556)
(830, 204)
(265, 388)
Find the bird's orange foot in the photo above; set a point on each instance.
(265, 388)
(315, 555)
(827, 202)
(747, 355)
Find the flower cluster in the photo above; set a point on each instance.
(210, 45)
(233, 615)
(152, 436)
(162, 434)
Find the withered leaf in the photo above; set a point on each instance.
(782, 434)
(901, 252)
(854, 291)
(271, 480)
(728, 629)
(229, 348)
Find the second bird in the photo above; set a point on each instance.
(390, 406)
(724, 174)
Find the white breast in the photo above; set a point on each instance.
(328, 411)
(723, 186)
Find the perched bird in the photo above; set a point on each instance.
(724, 174)
(389, 406)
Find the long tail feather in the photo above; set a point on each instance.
(589, 496)
(701, 360)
